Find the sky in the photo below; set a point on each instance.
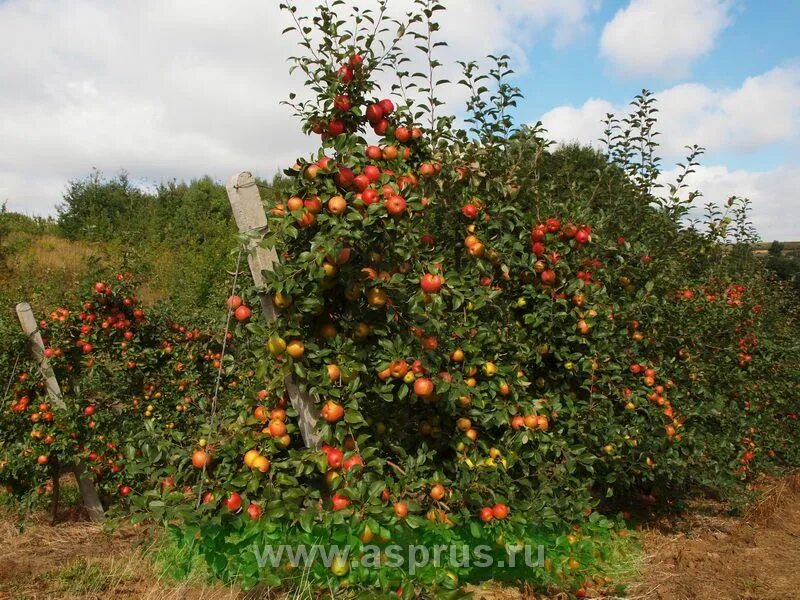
(177, 89)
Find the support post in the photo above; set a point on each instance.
(31, 328)
(248, 212)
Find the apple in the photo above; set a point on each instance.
(470, 211)
(336, 127)
(254, 510)
(345, 73)
(261, 463)
(423, 387)
(486, 514)
(234, 502)
(374, 113)
(242, 313)
(344, 177)
(402, 134)
(401, 509)
(431, 284)
(437, 492)
(361, 182)
(372, 172)
(335, 457)
(381, 127)
(389, 153)
(332, 412)
(337, 205)
(395, 206)
(340, 501)
(352, 462)
(200, 459)
(499, 511)
(369, 196)
(548, 277)
(342, 102)
(387, 106)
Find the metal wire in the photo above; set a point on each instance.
(215, 397)
(11, 377)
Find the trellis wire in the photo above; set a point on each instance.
(219, 377)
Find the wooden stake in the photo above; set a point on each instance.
(248, 212)
(31, 328)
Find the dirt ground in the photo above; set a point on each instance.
(705, 555)
(710, 556)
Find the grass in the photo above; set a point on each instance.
(83, 561)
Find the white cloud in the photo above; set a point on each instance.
(773, 194)
(173, 88)
(763, 111)
(663, 37)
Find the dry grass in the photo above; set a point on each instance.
(85, 561)
(52, 256)
(774, 497)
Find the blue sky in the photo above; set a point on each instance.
(169, 89)
(761, 35)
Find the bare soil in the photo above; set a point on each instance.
(710, 556)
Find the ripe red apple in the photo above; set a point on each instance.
(346, 73)
(486, 514)
(342, 102)
(340, 501)
(423, 387)
(430, 284)
(361, 182)
(335, 457)
(332, 412)
(234, 302)
(372, 172)
(254, 510)
(313, 205)
(395, 206)
(234, 502)
(373, 153)
(344, 177)
(242, 313)
(500, 511)
(402, 134)
(387, 106)
(352, 462)
(548, 277)
(381, 126)
(124, 490)
(369, 196)
(374, 113)
(336, 127)
(470, 211)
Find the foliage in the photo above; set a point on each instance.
(508, 341)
